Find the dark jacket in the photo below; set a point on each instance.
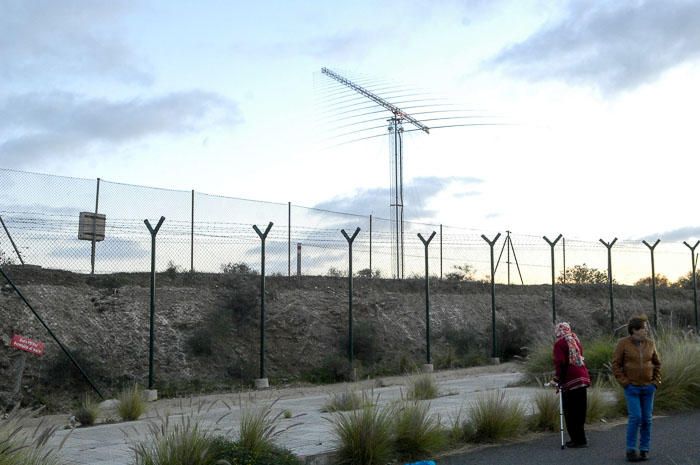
(636, 364)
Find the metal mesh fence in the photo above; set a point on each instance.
(208, 233)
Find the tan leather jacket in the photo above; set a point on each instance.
(636, 364)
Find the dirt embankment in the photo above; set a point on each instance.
(207, 326)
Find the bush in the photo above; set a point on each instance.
(512, 337)
(87, 412)
(417, 434)
(131, 404)
(365, 345)
(496, 418)
(546, 416)
(257, 429)
(539, 364)
(680, 373)
(583, 274)
(422, 387)
(183, 443)
(345, 401)
(364, 436)
(334, 368)
(233, 453)
(17, 448)
(465, 347)
(237, 268)
(598, 354)
(598, 407)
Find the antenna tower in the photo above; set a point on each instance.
(396, 131)
(508, 247)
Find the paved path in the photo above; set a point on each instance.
(109, 444)
(675, 441)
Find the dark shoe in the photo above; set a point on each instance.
(643, 455)
(632, 456)
(578, 445)
(570, 443)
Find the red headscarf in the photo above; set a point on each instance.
(563, 330)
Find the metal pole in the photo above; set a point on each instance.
(151, 340)
(11, 241)
(192, 236)
(491, 243)
(94, 228)
(695, 282)
(554, 300)
(370, 246)
(350, 241)
(426, 243)
(289, 238)
(610, 282)
(53, 336)
(508, 246)
(263, 236)
(441, 252)
(563, 256)
(653, 281)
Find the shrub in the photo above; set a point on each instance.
(365, 344)
(539, 363)
(18, 448)
(334, 272)
(496, 418)
(345, 401)
(182, 443)
(87, 412)
(131, 404)
(583, 274)
(599, 406)
(334, 368)
(257, 428)
(460, 429)
(233, 453)
(598, 354)
(546, 416)
(680, 373)
(364, 436)
(465, 347)
(237, 268)
(422, 387)
(512, 337)
(417, 433)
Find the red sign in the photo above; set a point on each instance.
(27, 345)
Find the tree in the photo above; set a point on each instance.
(686, 281)
(661, 281)
(367, 273)
(462, 273)
(584, 274)
(334, 272)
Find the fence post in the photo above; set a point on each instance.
(440, 252)
(491, 243)
(563, 257)
(653, 281)
(694, 265)
(262, 382)
(152, 332)
(554, 300)
(192, 236)
(370, 247)
(289, 239)
(350, 241)
(94, 228)
(610, 282)
(428, 364)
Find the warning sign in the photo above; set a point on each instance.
(27, 345)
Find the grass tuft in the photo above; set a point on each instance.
(23, 447)
(422, 387)
(364, 436)
(496, 418)
(417, 434)
(546, 416)
(345, 401)
(131, 404)
(88, 411)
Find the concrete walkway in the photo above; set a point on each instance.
(311, 438)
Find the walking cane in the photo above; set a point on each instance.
(561, 419)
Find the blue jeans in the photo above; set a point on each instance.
(640, 403)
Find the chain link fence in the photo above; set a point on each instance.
(210, 233)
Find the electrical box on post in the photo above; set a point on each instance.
(90, 222)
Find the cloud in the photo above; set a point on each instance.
(611, 45)
(35, 126)
(679, 234)
(420, 190)
(113, 248)
(76, 37)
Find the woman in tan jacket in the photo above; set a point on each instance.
(637, 368)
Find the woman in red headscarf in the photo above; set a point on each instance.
(572, 380)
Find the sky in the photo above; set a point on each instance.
(594, 102)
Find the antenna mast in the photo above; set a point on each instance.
(396, 190)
